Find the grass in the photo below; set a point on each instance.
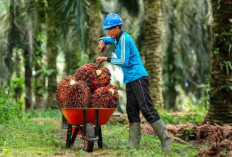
(39, 134)
(194, 115)
(115, 137)
(29, 137)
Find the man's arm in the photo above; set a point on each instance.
(105, 41)
(108, 40)
(125, 53)
(123, 60)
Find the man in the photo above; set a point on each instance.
(137, 82)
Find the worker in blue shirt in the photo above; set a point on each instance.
(136, 80)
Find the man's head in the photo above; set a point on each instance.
(112, 24)
(113, 31)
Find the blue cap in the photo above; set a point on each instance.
(112, 20)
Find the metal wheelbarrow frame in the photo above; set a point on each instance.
(81, 122)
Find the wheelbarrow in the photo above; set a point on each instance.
(82, 121)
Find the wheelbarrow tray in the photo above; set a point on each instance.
(75, 115)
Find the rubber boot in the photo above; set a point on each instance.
(134, 135)
(162, 133)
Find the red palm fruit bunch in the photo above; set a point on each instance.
(87, 73)
(72, 94)
(105, 97)
(94, 77)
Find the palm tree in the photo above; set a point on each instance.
(28, 54)
(169, 24)
(220, 109)
(38, 54)
(153, 55)
(72, 20)
(52, 53)
(21, 37)
(13, 35)
(186, 48)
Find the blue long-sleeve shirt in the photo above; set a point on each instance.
(128, 57)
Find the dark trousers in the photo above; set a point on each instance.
(138, 99)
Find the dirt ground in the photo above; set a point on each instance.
(218, 138)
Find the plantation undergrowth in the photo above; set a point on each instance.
(39, 134)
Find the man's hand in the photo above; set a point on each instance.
(99, 60)
(101, 45)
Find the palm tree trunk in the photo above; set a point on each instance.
(28, 66)
(51, 55)
(169, 23)
(220, 109)
(13, 36)
(28, 76)
(153, 55)
(17, 64)
(39, 88)
(17, 69)
(94, 28)
(39, 78)
(171, 67)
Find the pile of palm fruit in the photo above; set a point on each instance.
(89, 87)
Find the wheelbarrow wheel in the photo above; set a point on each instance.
(90, 134)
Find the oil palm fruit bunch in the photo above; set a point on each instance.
(87, 73)
(90, 83)
(72, 94)
(93, 75)
(105, 97)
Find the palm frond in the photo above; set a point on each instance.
(73, 13)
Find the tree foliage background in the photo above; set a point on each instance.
(42, 41)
